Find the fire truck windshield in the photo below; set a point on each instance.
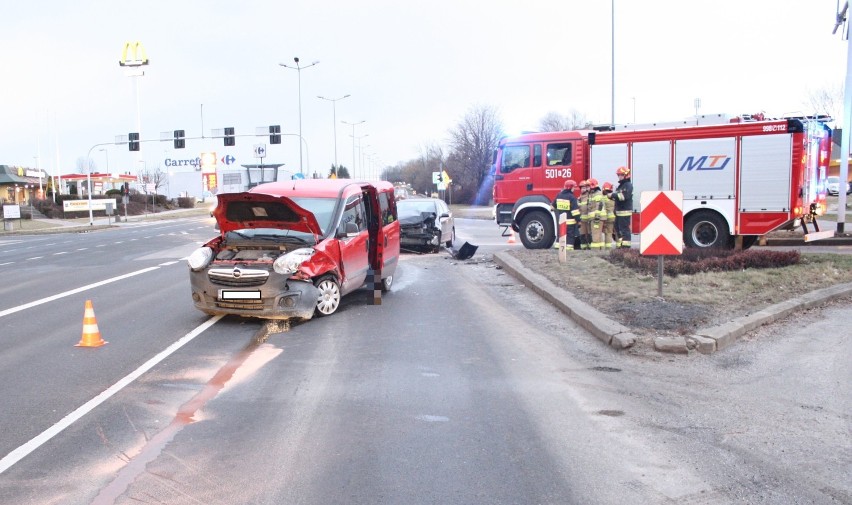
(514, 157)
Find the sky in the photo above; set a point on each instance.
(413, 69)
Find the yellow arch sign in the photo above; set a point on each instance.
(137, 52)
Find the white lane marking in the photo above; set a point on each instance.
(24, 450)
(7, 263)
(168, 263)
(61, 252)
(100, 245)
(73, 291)
(425, 417)
(34, 258)
(82, 248)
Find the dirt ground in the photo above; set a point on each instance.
(689, 302)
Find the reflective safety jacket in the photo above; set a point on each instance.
(623, 197)
(566, 203)
(597, 210)
(609, 209)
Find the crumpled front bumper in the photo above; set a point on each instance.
(420, 236)
(278, 298)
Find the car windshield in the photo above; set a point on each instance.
(833, 180)
(321, 208)
(413, 208)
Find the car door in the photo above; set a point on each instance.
(446, 221)
(354, 246)
(390, 224)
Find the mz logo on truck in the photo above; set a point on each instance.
(712, 162)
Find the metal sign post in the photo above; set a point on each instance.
(660, 226)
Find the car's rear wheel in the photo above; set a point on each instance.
(329, 295)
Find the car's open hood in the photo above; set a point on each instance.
(236, 211)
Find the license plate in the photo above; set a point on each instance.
(230, 294)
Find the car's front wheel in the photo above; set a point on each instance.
(387, 282)
(452, 238)
(329, 295)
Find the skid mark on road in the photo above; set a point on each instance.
(246, 362)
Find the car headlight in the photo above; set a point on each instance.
(287, 264)
(200, 258)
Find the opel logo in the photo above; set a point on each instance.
(237, 273)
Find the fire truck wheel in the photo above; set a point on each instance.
(536, 230)
(706, 229)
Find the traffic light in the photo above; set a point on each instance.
(180, 142)
(229, 136)
(133, 143)
(274, 134)
(125, 189)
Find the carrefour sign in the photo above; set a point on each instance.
(194, 162)
(197, 162)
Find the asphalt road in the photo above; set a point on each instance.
(461, 387)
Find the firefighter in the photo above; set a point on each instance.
(597, 214)
(609, 217)
(566, 203)
(623, 198)
(583, 205)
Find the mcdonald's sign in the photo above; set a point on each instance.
(136, 53)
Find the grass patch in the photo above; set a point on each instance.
(689, 301)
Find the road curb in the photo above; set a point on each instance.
(724, 335)
(705, 341)
(605, 329)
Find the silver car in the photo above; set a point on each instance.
(425, 224)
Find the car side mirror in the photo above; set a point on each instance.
(444, 215)
(350, 229)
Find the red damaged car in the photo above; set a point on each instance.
(294, 249)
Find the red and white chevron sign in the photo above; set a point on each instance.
(661, 223)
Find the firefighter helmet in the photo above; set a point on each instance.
(607, 186)
(584, 182)
(570, 184)
(593, 183)
(622, 171)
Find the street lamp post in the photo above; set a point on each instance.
(353, 142)
(359, 153)
(134, 58)
(107, 158)
(334, 116)
(298, 69)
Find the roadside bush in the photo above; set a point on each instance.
(48, 208)
(694, 261)
(186, 202)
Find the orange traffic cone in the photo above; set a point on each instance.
(91, 334)
(512, 238)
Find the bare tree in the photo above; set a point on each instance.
(828, 101)
(155, 177)
(82, 165)
(556, 122)
(473, 141)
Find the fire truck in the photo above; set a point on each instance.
(741, 177)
